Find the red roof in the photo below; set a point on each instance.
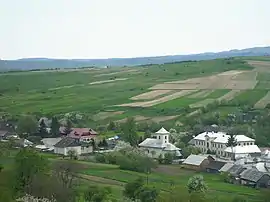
(78, 132)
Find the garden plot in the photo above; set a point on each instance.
(230, 95)
(150, 95)
(159, 100)
(201, 94)
(202, 103)
(263, 102)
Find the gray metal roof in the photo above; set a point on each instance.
(252, 175)
(236, 169)
(226, 167)
(194, 160)
(67, 142)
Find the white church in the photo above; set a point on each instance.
(159, 144)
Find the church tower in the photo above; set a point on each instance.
(163, 136)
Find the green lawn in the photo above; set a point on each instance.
(250, 97)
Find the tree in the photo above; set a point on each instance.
(111, 126)
(232, 143)
(168, 158)
(97, 194)
(72, 154)
(196, 184)
(68, 126)
(42, 129)
(129, 132)
(28, 163)
(55, 127)
(132, 188)
(147, 194)
(27, 125)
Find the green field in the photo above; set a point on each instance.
(59, 92)
(112, 176)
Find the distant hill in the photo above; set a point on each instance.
(47, 63)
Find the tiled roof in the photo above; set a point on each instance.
(156, 143)
(67, 142)
(194, 160)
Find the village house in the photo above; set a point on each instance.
(197, 162)
(82, 134)
(159, 144)
(67, 143)
(253, 177)
(216, 142)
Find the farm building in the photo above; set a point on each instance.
(197, 162)
(235, 172)
(68, 143)
(253, 177)
(214, 166)
(159, 144)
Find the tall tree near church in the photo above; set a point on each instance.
(55, 127)
(129, 132)
(232, 143)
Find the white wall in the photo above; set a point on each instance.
(64, 151)
(157, 152)
(86, 150)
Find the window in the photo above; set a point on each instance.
(158, 137)
(244, 144)
(165, 137)
(165, 141)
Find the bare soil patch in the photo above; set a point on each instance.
(159, 119)
(150, 95)
(201, 94)
(105, 115)
(230, 95)
(193, 113)
(201, 103)
(159, 100)
(263, 102)
(107, 81)
(241, 85)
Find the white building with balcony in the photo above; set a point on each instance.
(216, 142)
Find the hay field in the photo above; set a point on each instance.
(201, 94)
(230, 95)
(202, 103)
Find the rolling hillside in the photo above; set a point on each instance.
(156, 93)
(47, 63)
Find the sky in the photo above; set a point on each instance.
(129, 28)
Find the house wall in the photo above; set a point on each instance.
(64, 151)
(219, 148)
(191, 167)
(86, 149)
(155, 152)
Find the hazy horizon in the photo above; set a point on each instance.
(100, 29)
